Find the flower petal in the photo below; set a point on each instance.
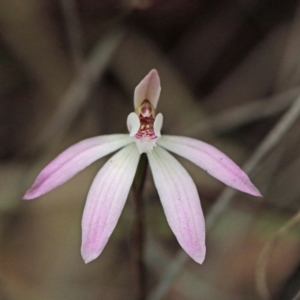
(211, 160)
(149, 88)
(158, 122)
(73, 160)
(133, 124)
(106, 200)
(180, 201)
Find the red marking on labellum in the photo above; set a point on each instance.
(146, 114)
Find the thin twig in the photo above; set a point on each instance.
(224, 200)
(265, 256)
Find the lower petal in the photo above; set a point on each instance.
(212, 160)
(180, 200)
(106, 200)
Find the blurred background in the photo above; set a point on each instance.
(230, 73)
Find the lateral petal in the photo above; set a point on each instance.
(180, 201)
(149, 88)
(212, 160)
(73, 160)
(158, 125)
(133, 124)
(106, 200)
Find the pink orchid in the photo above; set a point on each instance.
(110, 188)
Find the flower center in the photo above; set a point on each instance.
(146, 114)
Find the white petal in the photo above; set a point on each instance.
(106, 200)
(149, 88)
(73, 160)
(211, 160)
(180, 201)
(158, 122)
(145, 145)
(133, 124)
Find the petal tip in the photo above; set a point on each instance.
(154, 79)
(27, 196)
(200, 260)
(149, 88)
(36, 190)
(251, 189)
(31, 194)
(87, 259)
(199, 256)
(256, 192)
(88, 256)
(153, 72)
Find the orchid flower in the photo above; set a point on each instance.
(176, 189)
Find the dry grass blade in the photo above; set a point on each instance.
(79, 90)
(297, 297)
(261, 276)
(254, 76)
(244, 114)
(280, 129)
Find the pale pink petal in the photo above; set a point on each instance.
(73, 160)
(158, 122)
(180, 200)
(133, 124)
(149, 88)
(215, 162)
(106, 200)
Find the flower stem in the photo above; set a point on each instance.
(139, 230)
